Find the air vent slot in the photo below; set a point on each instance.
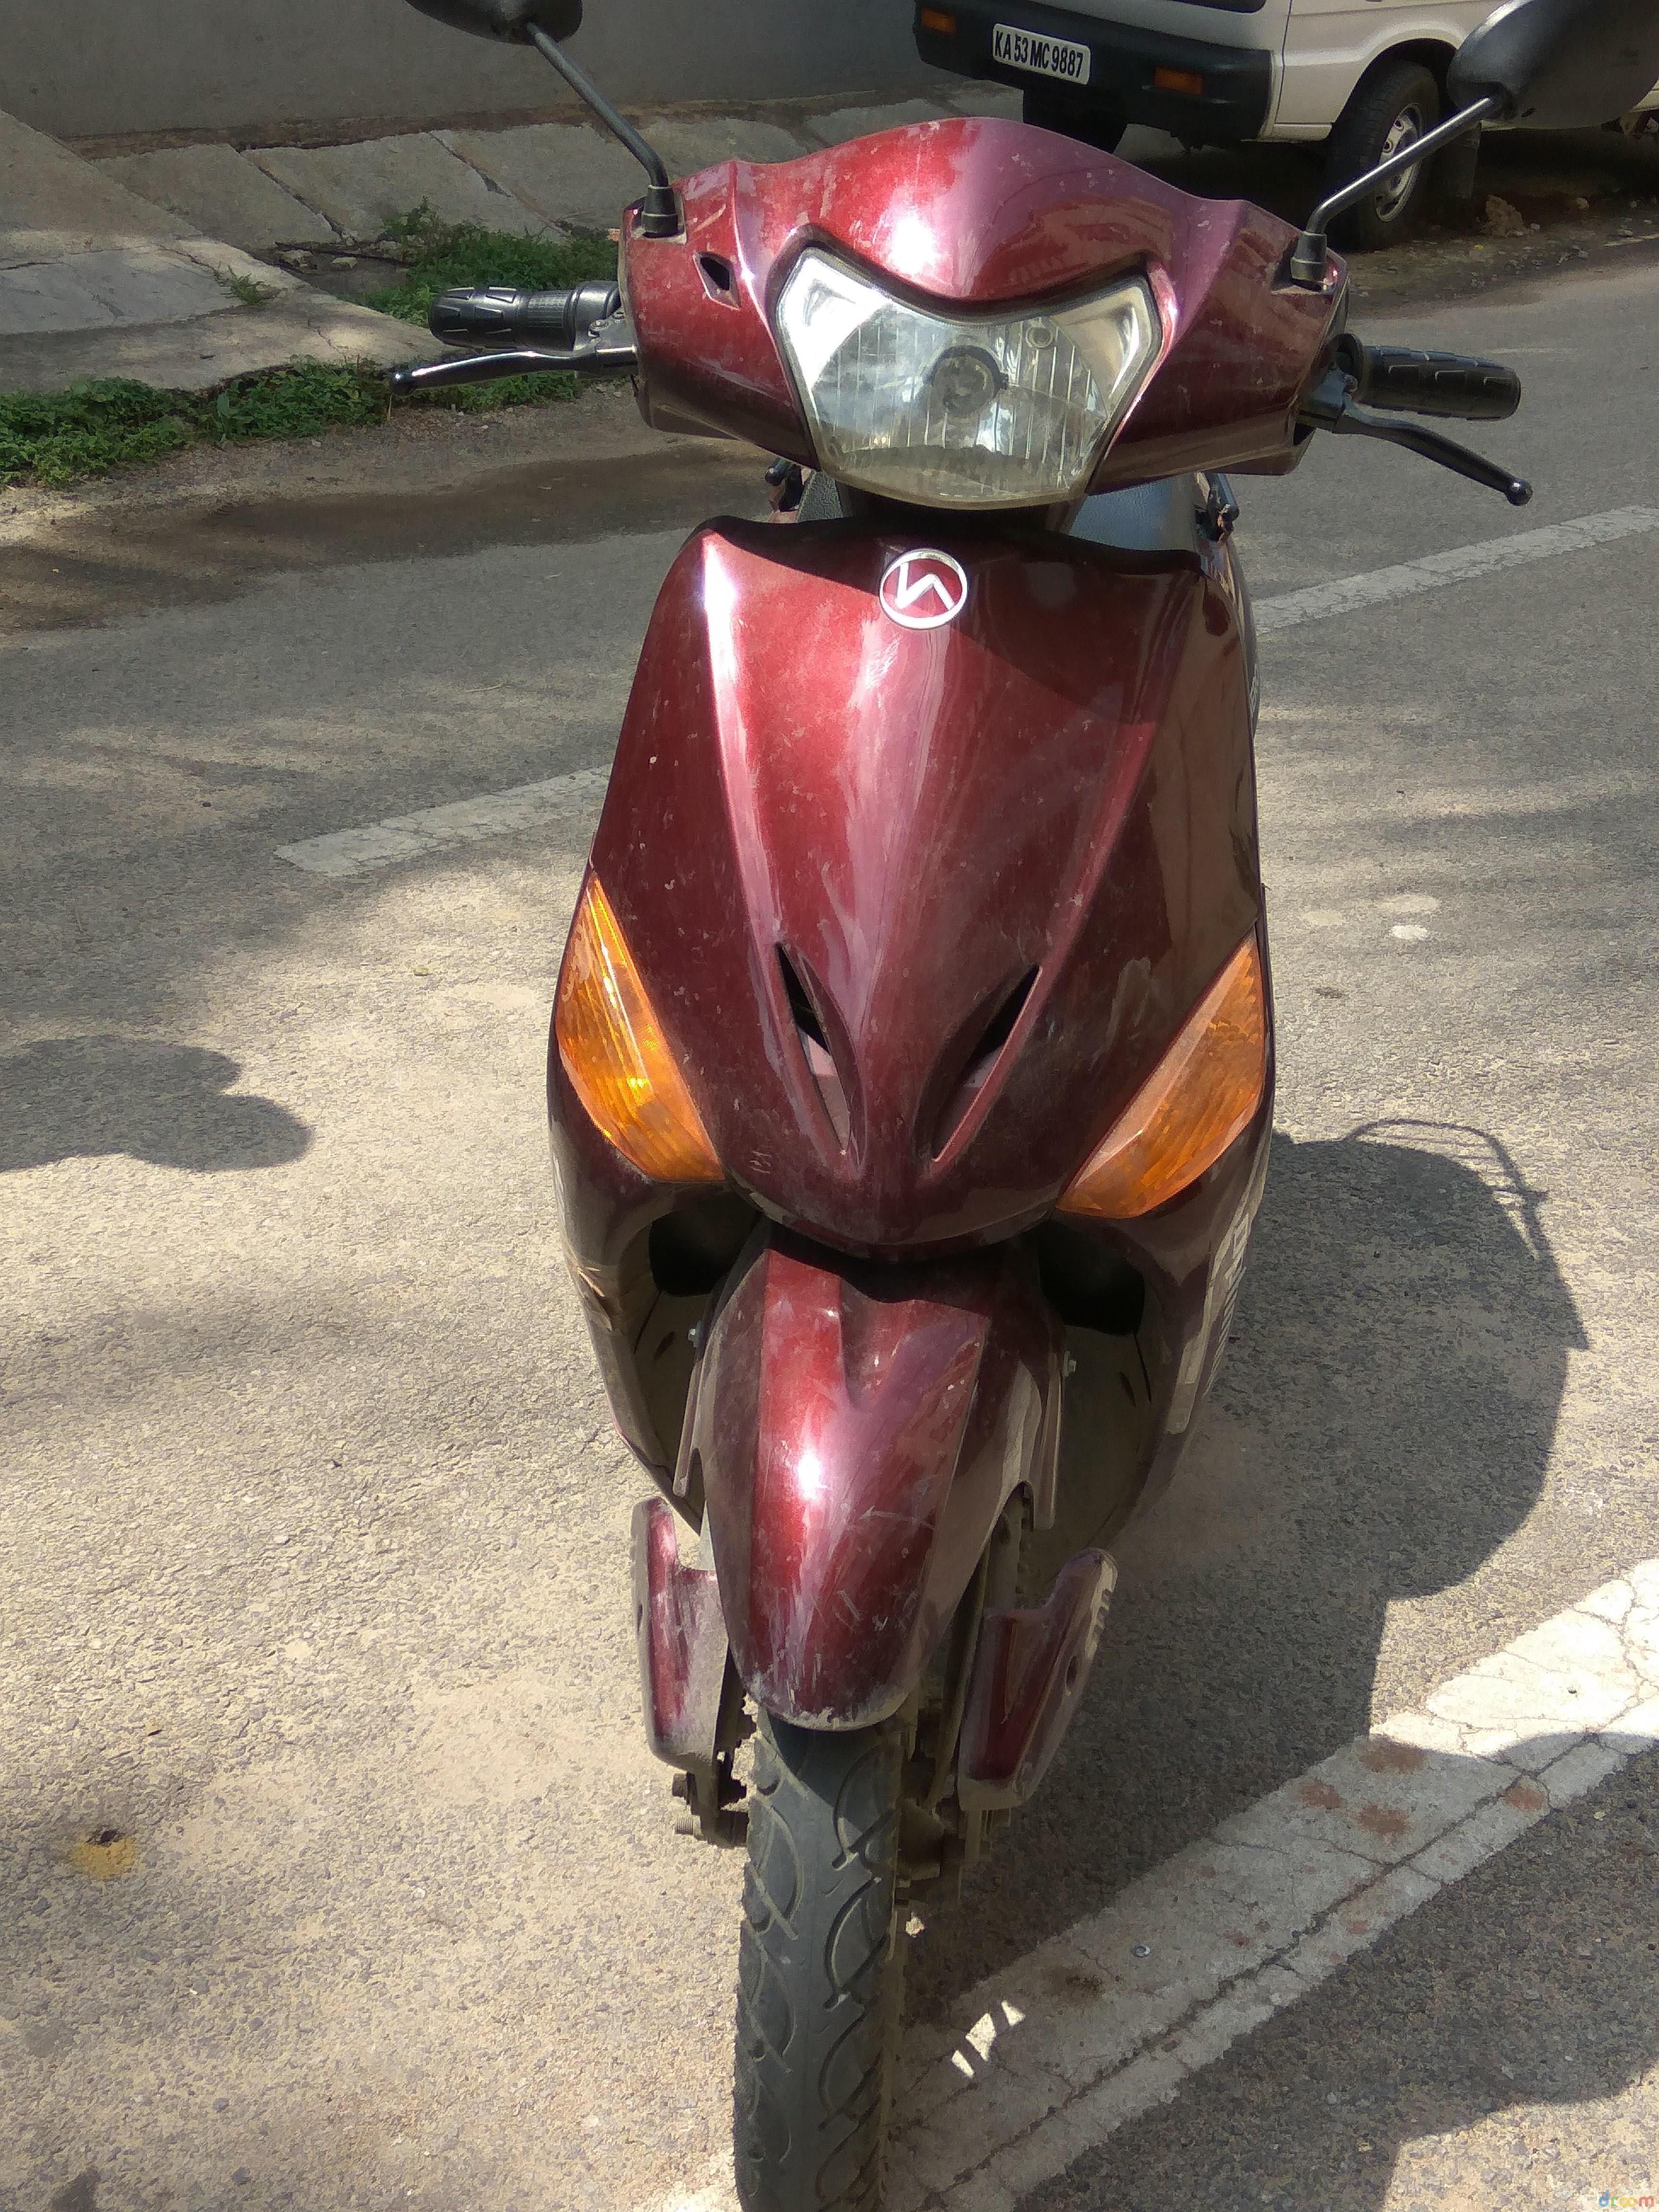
(1000, 1027)
(717, 279)
(983, 1057)
(814, 1042)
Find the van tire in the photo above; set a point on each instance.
(1102, 128)
(1396, 97)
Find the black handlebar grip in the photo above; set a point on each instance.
(1402, 381)
(498, 315)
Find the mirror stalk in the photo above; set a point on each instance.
(1310, 254)
(661, 216)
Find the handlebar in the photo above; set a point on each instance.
(585, 331)
(497, 314)
(1333, 403)
(1402, 381)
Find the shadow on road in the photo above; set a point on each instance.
(1383, 1423)
(76, 1097)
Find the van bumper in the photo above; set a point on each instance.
(1236, 80)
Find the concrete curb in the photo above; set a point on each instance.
(97, 281)
(209, 350)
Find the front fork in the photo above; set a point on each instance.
(981, 1729)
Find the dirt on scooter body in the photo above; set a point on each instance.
(911, 1074)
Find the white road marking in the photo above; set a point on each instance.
(570, 802)
(1045, 2059)
(577, 797)
(1347, 594)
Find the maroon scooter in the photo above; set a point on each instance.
(911, 1070)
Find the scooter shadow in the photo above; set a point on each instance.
(1383, 1424)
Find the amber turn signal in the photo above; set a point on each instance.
(616, 1057)
(935, 19)
(1173, 80)
(1202, 1093)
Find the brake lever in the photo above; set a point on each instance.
(608, 349)
(470, 368)
(1330, 406)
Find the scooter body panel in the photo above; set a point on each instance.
(1051, 795)
(980, 213)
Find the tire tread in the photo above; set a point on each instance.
(816, 1964)
(1351, 149)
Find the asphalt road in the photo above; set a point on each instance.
(314, 1539)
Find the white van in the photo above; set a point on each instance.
(1365, 75)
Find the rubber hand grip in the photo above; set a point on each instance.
(498, 315)
(1403, 381)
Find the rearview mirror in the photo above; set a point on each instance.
(1559, 65)
(506, 19)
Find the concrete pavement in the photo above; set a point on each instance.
(524, 178)
(315, 1538)
(96, 281)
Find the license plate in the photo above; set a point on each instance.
(1025, 50)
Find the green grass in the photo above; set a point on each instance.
(57, 438)
(249, 290)
(447, 256)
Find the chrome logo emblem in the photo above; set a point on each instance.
(924, 589)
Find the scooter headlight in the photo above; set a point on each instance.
(1005, 411)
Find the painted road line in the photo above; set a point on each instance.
(1047, 2057)
(576, 799)
(569, 802)
(1347, 594)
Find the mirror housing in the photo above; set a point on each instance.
(1559, 65)
(512, 20)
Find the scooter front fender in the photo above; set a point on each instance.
(857, 1431)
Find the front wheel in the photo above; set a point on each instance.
(820, 1969)
(1398, 102)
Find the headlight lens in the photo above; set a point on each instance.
(1006, 412)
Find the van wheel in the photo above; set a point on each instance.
(1100, 127)
(1397, 102)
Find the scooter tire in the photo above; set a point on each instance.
(820, 1969)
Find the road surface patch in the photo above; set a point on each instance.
(1346, 595)
(1044, 2059)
